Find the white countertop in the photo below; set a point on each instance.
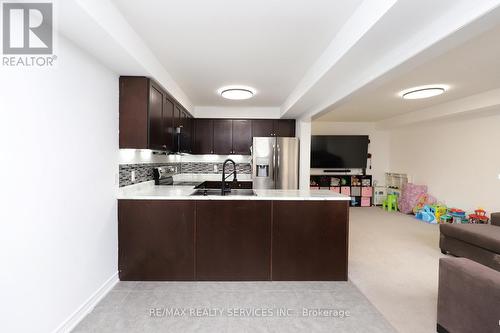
(149, 191)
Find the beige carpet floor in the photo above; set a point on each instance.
(394, 261)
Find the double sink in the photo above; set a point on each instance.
(213, 188)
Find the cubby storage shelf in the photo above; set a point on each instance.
(358, 187)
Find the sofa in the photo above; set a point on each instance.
(468, 297)
(477, 242)
(469, 286)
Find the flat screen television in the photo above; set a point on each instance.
(339, 151)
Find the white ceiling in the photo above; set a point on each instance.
(266, 44)
(470, 68)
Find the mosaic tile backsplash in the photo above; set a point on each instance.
(144, 172)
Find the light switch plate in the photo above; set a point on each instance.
(132, 176)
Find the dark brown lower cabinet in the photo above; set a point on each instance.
(310, 240)
(222, 240)
(155, 240)
(233, 240)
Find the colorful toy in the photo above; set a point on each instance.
(457, 215)
(366, 182)
(439, 211)
(479, 217)
(335, 181)
(410, 194)
(427, 214)
(423, 199)
(445, 219)
(390, 203)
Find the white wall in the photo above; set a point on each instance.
(101, 29)
(237, 112)
(379, 143)
(458, 158)
(303, 131)
(59, 160)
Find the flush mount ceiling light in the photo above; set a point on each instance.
(423, 91)
(237, 92)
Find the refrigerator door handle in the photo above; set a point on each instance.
(274, 161)
(278, 162)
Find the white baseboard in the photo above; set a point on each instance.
(84, 309)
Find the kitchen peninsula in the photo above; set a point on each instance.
(167, 233)
(263, 229)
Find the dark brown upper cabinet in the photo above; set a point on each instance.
(134, 113)
(203, 136)
(284, 127)
(156, 133)
(150, 119)
(177, 116)
(242, 136)
(223, 136)
(186, 132)
(235, 136)
(273, 127)
(147, 115)
(177, 124)
(262, 127)
(168, 124)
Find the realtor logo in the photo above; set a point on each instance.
(27, 28)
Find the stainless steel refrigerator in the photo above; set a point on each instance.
(275, 163)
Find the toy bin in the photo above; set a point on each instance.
(345, 190)
(356, 191)
(366, 191)
(335, 189)
(365, 201)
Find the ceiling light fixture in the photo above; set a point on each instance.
(237, 92)
(423, 91)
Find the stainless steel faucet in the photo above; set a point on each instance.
(224, 177)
